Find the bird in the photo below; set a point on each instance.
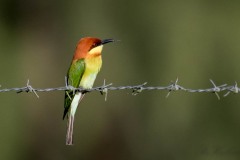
(85, 65)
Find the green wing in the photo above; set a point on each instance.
(74, 77)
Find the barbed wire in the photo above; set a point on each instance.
(136, 89)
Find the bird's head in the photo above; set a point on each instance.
(90, 46)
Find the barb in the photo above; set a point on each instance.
(233, 89)
(136, 89)
(174, 87)
(105, 90)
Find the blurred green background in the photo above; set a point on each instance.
(160, 40)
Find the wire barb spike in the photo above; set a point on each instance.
(216, 89)
(173, 87)
(233, 89)
(31, 89)
(104, 90)
(138, 89)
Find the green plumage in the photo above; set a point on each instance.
(74, 76)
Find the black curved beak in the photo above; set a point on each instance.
(105, 41)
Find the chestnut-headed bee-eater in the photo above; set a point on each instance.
(86, 64)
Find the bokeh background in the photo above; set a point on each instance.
(160, 41)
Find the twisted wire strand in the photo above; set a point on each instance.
(136, 89)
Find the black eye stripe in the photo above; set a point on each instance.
(95, 45)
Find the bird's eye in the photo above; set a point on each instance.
(95, 45)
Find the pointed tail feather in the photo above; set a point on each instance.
(69, 136)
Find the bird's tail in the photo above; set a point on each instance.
(77, 98)
(69, 136)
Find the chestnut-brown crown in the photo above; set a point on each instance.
(85, 45)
